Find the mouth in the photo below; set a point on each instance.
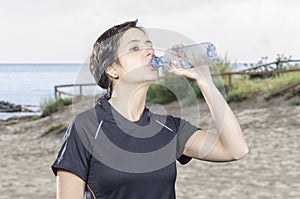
(149, 65)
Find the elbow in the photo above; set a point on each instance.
(241, 153)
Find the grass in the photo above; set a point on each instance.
(243, 87)
(170, 88)
(295, 102)
(54, 128)
(51, 106)
(237, 95)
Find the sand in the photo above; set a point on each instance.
(270, 170)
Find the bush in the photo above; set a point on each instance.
(172, 87)
(159, 94)
(52, 106)
(237, 95)
(197, 90)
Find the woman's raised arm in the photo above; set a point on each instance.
(229, 144)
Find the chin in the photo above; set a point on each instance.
(152, 76)
(142, 75)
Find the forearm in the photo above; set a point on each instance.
(229, 131)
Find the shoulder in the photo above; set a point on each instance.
(167, 120)
(86, 117)
(176, 123)
(85, 124)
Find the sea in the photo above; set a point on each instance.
(31, 85)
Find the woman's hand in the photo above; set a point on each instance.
(200, 73)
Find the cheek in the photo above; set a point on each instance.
(130, 62)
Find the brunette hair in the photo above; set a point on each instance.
(105, 53)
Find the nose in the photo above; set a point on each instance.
(149, 52)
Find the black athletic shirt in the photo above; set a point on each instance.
(120, 159)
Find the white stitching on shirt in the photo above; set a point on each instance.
(62, 153)
(99, 127)
(91, 191)
(164, 126)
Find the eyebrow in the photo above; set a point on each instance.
(137, 40)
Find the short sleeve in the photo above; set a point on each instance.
(184, 131)
(73, 155)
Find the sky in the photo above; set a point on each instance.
(63, 31)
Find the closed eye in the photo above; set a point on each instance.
(134, 48)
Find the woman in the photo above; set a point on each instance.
(119, 149)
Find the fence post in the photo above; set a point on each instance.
(55, 92)
(80, 89)
(229, 82)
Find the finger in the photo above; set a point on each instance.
(175, 63)
(175, 46)
(177, 71)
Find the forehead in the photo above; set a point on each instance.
(130, 35)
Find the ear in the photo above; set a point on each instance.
(112, 71)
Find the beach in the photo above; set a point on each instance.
(270, 170)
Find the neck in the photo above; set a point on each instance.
(129, 100)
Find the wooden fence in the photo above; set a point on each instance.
(58, 93)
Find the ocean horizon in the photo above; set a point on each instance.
(31, 85)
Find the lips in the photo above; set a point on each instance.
(150, 65)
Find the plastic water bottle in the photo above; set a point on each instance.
(188, 56)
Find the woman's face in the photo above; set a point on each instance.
(135, 52)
